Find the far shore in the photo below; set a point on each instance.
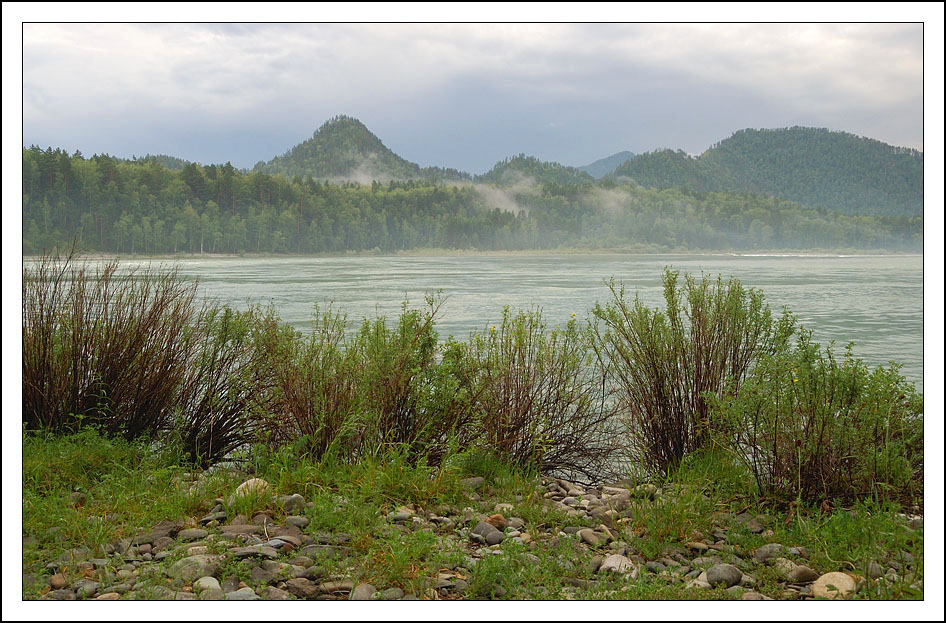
(477, 253)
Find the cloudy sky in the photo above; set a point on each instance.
(462, 96)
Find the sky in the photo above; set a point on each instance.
(462, 95)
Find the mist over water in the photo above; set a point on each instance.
(876, 301)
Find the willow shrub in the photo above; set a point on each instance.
(812, 427)
(102, 348)
(353, 394)
(539, 402)
(664, 364)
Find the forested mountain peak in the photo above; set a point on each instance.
(343, 148)
(815, 166)
(600, 168)
(522, 168)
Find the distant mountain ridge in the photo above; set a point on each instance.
(600, 168)
(818, 167)
(344, 149)
(522, 168)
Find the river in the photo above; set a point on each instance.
(875, 301)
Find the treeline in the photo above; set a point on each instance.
(814, 166)
(141, 206)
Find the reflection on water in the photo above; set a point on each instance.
(876, 301)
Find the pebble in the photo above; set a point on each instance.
(767, 551)
(802, 575)
(843, 585)
(192, 534)
(616, 563)
(242, 594)
(58, 581)
(194, 567)
(723, 574)
(363, 592)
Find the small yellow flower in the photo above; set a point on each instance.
(492, 328)
(574, 314)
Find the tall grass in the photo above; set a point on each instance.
(666, 363)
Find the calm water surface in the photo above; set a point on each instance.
(876, 301)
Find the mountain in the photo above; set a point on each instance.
(813, 166)
(344, 149)
(523, 168)
(600, 168)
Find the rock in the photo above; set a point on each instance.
(86, 588)
(503, 507)
(656, 567)
(303, 588)
(216, 516)
(261, 551)
(58, 581)
(194, 567)
(108, 597)
(362, 592)
(252, 487)
(616, 563)
(751, 596)
(337, 587)
(697, 546)
(723, 574)
(874, 570)
(192, 534)
(62, 594)
(497, 521)
(588, 536)
(271, 593)
(495, 538)
(294, 503)
(472, 483)
(242, 594)
(390, 594)
(698, 584)
(297, 520)
(767, 551)
(206, 583)
(784, 566)
(121, 588)
(77, 499)
(238, 529)
(802, 575)
(843, 586)
(160, 543)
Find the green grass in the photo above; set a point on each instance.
(130, 487)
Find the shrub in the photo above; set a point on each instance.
(101, 348)
(225, 385)
(665, 363)
(366, 394)
(811, 427)
(538, 401)
(315, 392)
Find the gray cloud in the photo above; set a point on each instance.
(462, 95)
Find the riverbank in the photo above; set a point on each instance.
(109, 520)
(437, 252)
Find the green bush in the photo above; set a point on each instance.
(538, 400)
(665, 363)
(102, 348)
(812, 427)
